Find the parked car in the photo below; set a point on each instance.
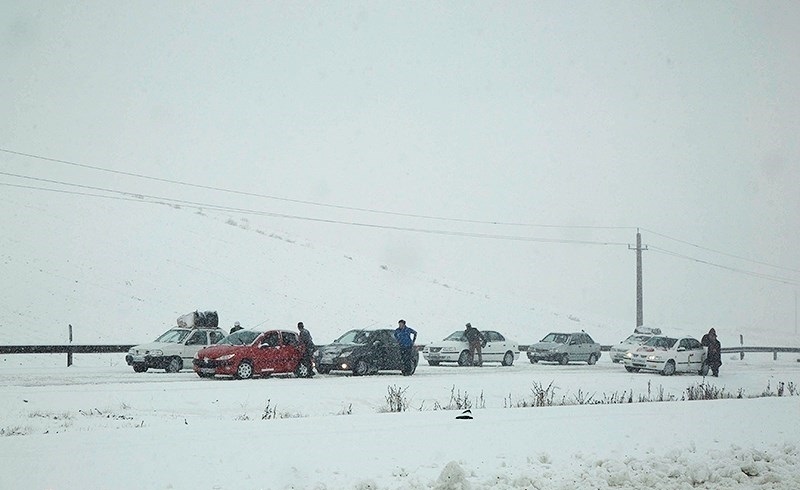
(248, 353)
(362, 352)
(668, 356)
(618, 351)
(173, 350)
(455, 348)
(564, 348)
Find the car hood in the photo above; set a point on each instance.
(337, 349)
(646, 349)
(154, 346)
(214, 351)
(547, 345)
(448, 343)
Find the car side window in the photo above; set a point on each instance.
(216, 337)
(289, 338)
(684, 343)
(197, 338)
(695, 344)
(271, 339)
(588, 339)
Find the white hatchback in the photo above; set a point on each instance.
(668, 355)
(455, 348)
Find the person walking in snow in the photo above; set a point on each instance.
(714, 354)
(476, 341)
(406, 336)
(308, 348)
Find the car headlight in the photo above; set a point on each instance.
(226, 357)
(197, 355)
(156, 352)
(629, 355)
(653, 358)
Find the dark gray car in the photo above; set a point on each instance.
(564, 348)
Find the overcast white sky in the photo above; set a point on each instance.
(678, 118)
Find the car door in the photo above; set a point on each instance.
(577, 348)
(495, 346)
(290, 351)
(194, 342)
(696, 354)
(268, 357)
(683, 356)
(387, 350)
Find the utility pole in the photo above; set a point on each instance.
(639, 305)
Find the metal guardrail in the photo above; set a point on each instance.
(64, 349)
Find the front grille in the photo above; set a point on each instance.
(205, 363)
(436, 349)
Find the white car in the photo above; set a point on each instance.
(618, 351)
(668, 355)
(173, 350)
(455, 348)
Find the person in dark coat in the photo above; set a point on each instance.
(406, 336)
(236, 327)
(476, 342)
(714, 354)
(308, 348)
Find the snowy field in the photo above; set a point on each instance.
(98, 425)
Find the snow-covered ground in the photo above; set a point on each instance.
(98, 425)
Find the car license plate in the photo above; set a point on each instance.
(138, 358)
(434, 357)
(208, 370)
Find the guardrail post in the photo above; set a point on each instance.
(69, 354)
(775, 355)
(741, 342)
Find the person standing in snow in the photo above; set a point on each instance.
(476, 341)
(406, 336)
(714, 354)
(308, 348)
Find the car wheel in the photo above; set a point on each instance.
(669, 368)
(592, 359)
(245, 370)
(533, 360)
(361, 368)
(704, 369)
(631, 369)
(175, 365)
(564, 359)
(139, 368)
(205, 375)
(433, 363)
(508, 359)
(464, 359)
(323, 370)
(302, 371)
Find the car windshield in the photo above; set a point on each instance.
(636, 339)
(353, 337)
(558, 338)
(458, 336)
(242, 337)
(661, 342)
(174, 336)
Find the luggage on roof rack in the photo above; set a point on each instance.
(199, 319)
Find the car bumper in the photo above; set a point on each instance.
(441, 356)
(155, 362)
(212, 367)
(644, 364)
(545, 356)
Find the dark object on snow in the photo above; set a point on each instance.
(714, 353)
(199, 319)
(465, 415)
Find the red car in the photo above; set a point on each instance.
(248, 353)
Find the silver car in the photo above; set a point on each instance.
(564, 348)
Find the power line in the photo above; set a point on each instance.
(720, 252)
(145, 198)
(305, 202)
(769, 277)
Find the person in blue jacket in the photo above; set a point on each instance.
(406, 336)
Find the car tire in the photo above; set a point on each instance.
(205, 375)
(592, 360)
(669, 368)
(175, 364)
(533, 360)
(139, 368)
(302, 371)
(631, 369)
(323, 370)
(508, 359)
(433, 363)
(564, 360)
(360, 368)
(244, 371)
(464, 359)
